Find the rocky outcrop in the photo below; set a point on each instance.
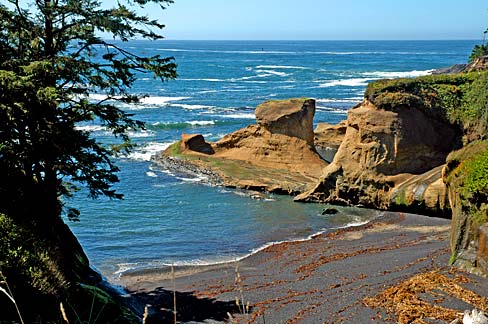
(479, 64)
(195, 143)
(328, 138)
(384, 153)
(293, 118)
(466, 176)
(275, 155)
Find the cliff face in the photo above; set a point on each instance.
(383, 153)
(466, 176)
(275, 155)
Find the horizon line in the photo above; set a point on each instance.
(306, 40)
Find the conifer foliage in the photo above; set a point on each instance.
(53, 55)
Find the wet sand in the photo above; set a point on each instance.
(327, 279)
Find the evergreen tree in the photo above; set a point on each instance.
(52, 56)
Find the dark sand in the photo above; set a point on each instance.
(322, 280)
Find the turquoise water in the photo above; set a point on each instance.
(171, 218)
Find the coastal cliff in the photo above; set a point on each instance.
(385, 155)
(274, 155)
(466, 176)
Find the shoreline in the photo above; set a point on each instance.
(184, 266)
(324, 279)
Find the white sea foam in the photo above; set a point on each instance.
(328, 100)
(160, 101)
(356, 82)
(201, 122)
(151, 101)
(151, 174)
(273, 72)
(391, 75)
(144, 153)
(91, 128)
(192, 107)
(284, 67)
(141, 134)
(241, 116)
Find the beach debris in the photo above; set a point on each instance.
(475, 317)
(407, 299)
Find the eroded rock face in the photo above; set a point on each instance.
(469, 206)
(292, 118)
(382, 149)
(276, 154)
(195, 143)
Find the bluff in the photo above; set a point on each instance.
(391, 157)
(466, 176)
(275, 155)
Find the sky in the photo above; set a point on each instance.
(324, 19)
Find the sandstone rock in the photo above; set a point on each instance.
(483, 248)
(479, 64)
(276, 155)
(382, 149)
(292, 117)
(469, 211)
(196, 143)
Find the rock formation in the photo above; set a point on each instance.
(328, 138)
(466, 176)
(382, 152)
(275, 155)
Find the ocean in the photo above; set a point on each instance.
(167, 218)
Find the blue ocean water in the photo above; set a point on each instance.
(170, 218)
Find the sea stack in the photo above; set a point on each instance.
(277, 154)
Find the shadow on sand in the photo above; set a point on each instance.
(189, 308)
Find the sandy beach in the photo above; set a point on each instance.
(344, 276)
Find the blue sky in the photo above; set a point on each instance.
(324, 19)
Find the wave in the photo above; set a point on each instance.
(332, 110)
(241, 116)
(92, 128)
(391, 75)
(151, 101)
(192, 107)
(144, 153)
(141, 134)
(356, 82)
(339, 100)
(284, 67)
(272, 72)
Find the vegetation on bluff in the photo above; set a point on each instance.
(467, 174)
(460, 98)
